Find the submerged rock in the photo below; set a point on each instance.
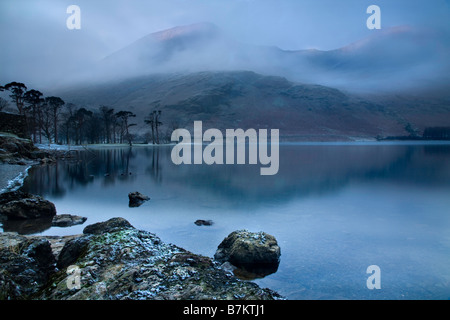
(136, 199)
(67, 220)
(21, 205)
(204, 222)
(255, 254)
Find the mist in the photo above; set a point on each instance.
(305, 41)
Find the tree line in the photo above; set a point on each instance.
(51, 119)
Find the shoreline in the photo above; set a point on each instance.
(12, 176)
(113, 260)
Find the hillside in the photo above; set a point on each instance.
(376, 86)
(243, 99)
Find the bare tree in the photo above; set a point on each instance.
(79, 120)
(45, 122)
(107, 115)
(153, 121)
(125, 125)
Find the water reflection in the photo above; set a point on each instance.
(305, 171)
(28, 226)
(334, 209)
(255, 271)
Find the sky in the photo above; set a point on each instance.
(35, 39)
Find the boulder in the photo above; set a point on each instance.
(118, 262)
(255, 252)
(71, 251)
(26, 265)
(110, 225)
(15, 149)
(67, 220)
(16, 205)
(136, 199)
(124, 263)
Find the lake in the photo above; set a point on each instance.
(334, 208)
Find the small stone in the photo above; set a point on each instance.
(67, 220)
(136, 199)
(203, 222)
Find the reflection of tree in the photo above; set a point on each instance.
(304, 171)
(115, 164)
(154, 168)
(57, 178)
(46, 180)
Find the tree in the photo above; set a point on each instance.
(107, 115)
(67, 121)
(157, 124)
(79, 119)
(17, 90)
(45, 121)
(153, 121)
(35, 102)
(55, 104)
(124, 116)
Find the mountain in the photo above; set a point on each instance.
(185, 49)
(398, 58)
(244, 99)
(397, 78)
(395, 59)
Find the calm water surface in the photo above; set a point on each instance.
(335, 209)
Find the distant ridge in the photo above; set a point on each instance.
(395, 59)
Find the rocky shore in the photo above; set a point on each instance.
(112, 260)
(17, 155)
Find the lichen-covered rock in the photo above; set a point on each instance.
(16, 205)
(126, 263)
(107, 226)
(71, 251)
(114, 261)
(255, 253)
